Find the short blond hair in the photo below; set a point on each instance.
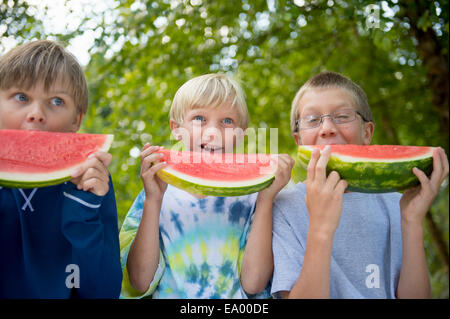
(46, 61)
(331, 80)
(209, 91)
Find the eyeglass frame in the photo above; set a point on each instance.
(297, 126)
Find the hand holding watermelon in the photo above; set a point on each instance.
(416, 201)
(150, 164)
(282, 176)
(93, 174)
(323, 194)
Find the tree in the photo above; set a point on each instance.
(17, 22)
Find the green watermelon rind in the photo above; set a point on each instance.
(209, 190)
(374, 176)
(33, 184)
(50, 179)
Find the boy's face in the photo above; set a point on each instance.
(36, 109)
(323, 101)
(213, 130)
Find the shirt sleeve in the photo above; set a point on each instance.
(89, 223)
(288, 253)
(127, 234)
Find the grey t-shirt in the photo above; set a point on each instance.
(367, 247)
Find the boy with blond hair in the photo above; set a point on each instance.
(59, 241)
(180, 245)
(329, 243)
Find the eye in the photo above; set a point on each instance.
(198, 118)
(228, 121)
(20, 97)
(311, 119)
(344, 115)
(57, 101)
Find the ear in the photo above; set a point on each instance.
(77, 123)
(297, 138)
(173, 126)
(368, 132)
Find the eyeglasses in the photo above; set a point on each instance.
(338, 117)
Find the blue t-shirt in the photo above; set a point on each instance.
(367, 248)
(202, 242)
(58, 242)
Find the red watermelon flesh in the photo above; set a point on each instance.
(220, 167)
(388, 152)
(40, 158)
(217, 174)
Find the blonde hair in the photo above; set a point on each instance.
(211, 91)
(331, 80)
(45, 61)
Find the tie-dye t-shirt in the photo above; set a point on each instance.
(202, 243)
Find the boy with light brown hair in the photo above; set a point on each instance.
(59, 241)
(330, 243)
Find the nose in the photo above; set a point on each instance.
(36, 113)
(211, 133)
(327, 128)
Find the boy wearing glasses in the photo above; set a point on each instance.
(328, 243)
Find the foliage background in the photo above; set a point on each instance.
(144, 50)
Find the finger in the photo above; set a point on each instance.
(97, 186)
(94, 162)
(282, 169)
(100, 171)
(147, 145)
(320, 171)
(341, 186)
(287, 159)
(152, 171)
(149, 150)
(445, 166)
(438, 169)
(159, 166)
(150, 160)
(282, 161)
(274, 161)
(311, 169)
(291, 161)
(103, 157)
(444, 160)
(423, 178)
(332, 180)
(93, 173)
(288, 162)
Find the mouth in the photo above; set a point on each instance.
(33, 129)
(211, 148)
(325, 142)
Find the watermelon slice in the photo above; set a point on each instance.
(217, 174)
(31, 159)
(375, 168)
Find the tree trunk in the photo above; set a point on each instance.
(435, 60)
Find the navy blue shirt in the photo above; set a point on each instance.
(58, 242)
